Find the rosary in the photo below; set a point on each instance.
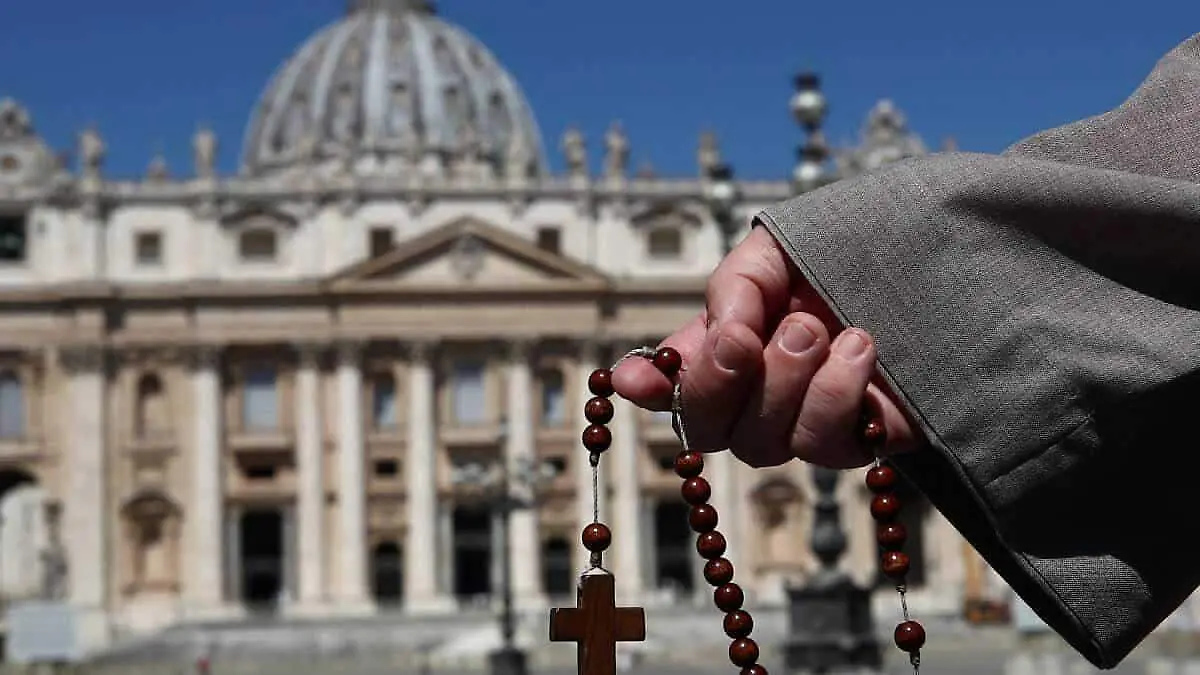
(596, 624)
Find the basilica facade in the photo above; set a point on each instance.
(289, 390)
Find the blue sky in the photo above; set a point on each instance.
(146, 72)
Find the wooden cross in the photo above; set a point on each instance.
(597, 624)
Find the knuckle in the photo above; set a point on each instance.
(805, 440)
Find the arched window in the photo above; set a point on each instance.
(554, 405)
(387, 573)
(153, 414)
(12, 406)
(383, 402)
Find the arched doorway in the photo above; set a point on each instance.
(387, 573)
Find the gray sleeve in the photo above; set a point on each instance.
(1038, 313)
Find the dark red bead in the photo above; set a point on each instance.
(874, 434)
(743, 652)
(598, 410)
(600, 382)
(910, 636)
(597, 438)
(689, 464)
(894, 564)
(729, 597)
(711, 545)
(597, 537)
(890, 536)
(754, 670)
(703, 518)
(885, 506)
(881, 478)
(718, 571)
(696, 491)
(738, 624)
(668, 361)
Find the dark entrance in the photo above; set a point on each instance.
(261, 539)
(558, 575)
(674, 550)
(387, 573)
(472, 552)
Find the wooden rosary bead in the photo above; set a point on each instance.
(729, 597)
(718, 571)
(743, 652)
(600, 382)
(881, 478)
(702, 518)
(689, 464)
(598, 410)
(711, 545)
(738, 624)
(874, 434)
(895, 565)
(668, 361)
(597, 537)
(910, 636)
(696, 491)
(754, 670)
(597, 438)
(891, 536)
(885, 506)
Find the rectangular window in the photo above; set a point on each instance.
(469, 397)
(383, 402)
(554, 402)
(549, 239)
(260, 400)
(13, 238)
(148, 248)
(257, 245)
(382, 239)
(12, 407)
(665, 243)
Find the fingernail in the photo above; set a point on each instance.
(797, 339)
(726, 352)
(850, 344)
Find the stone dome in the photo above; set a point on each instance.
(393, 80)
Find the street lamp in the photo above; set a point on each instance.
(723, 197)
(506, 489)
(830, 623)
(809, 107)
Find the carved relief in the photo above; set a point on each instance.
(779, 507)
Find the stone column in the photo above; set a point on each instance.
(422, 591)
(589, 360)
(352, 505)
(205, 583)
(310, 459)
(86, 531)
(520, 451)
(721, 469)
(627, 493)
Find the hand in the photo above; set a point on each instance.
(762, 377)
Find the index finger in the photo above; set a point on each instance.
(752, 285)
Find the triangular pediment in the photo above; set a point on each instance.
(469, 253)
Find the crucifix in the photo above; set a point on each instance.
(597, 624)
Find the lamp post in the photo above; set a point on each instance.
(723, 197)
(809, 108)
(505, 489)
(830, 623)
